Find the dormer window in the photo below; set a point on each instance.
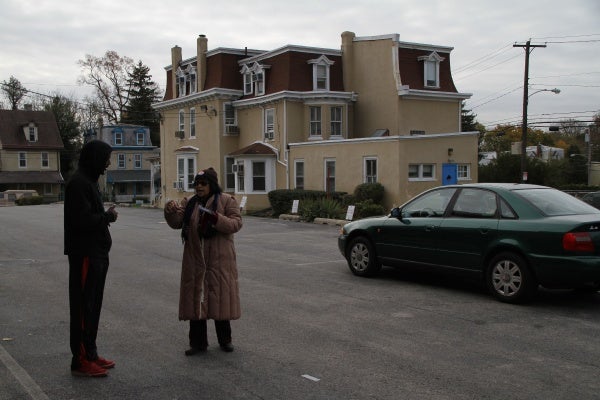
(31, 132)
(254, 78)
(321, 67)
(140, 135)
(118, 137)
(191, 74)
(431, 70)
(180, 82)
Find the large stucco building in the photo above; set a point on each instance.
(376, 110)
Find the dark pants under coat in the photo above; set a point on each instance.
(87, 277)
(198, 333)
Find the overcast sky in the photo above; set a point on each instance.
(42, 40)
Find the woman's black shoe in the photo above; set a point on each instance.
(227, 347)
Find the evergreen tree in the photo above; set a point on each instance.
(66, 113)
(143, 93)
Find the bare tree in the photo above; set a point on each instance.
(14, 92)
(109, 75)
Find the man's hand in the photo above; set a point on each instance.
(114, 214)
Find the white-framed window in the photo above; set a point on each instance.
(192, 78)
(336, 120)
(299, 174)
(192, 123)
(269, 123)
(248, 82)
(421, 172)
(463, 172)
(315, 121)
(370, 170)
(241, 187)
(140, 138)
(45, 160)
(229, 174)
(321, 68)
(254, 78)
(118, 137)
(259, 178)
(22, 160)
(329, 175)
(186, 170)
(181, 120)
(230, 114)
(137, 161)
(431, 69)
(181, 81)
(259, 82)
(121, 162)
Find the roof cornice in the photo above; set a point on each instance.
(206, 95)
(344, 97)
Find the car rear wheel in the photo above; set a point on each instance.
(509, 279)
(361, 257)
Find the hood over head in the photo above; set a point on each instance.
(93, 157)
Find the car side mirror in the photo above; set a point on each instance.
(396, 213)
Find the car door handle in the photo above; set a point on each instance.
(430, 228)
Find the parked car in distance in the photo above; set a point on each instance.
(592, 198)
(514, 236)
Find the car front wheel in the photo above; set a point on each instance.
(509, 279)
(361, 257)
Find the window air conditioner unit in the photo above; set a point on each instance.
(269, 135)
(232, 130)
(237, 168)
(178, 185)
(179, 134)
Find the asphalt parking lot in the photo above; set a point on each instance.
(309, 328)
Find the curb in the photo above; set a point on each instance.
(322, 221)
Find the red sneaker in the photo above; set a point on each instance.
(104, 363)
(89, 369)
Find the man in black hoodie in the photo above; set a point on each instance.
(87, 244)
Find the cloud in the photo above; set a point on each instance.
(42, 40)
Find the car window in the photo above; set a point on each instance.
(506, 211)
(475, 203)
(431, 204)
(554, 202)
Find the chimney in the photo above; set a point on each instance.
(175, 62)
(201, 46)
(347, 59)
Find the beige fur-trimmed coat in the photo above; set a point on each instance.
(209, 277)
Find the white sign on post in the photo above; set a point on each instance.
(295, 206)
(350, 213)
(243, 203)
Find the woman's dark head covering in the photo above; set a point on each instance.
(93, 157)
(210, 175)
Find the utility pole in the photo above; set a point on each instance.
(528, 49)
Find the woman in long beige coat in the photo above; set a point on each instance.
(209, 277)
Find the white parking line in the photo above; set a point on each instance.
(34, 391)
(312, 378)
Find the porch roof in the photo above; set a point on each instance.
(138, 175)
(254, 149)
(31, 177)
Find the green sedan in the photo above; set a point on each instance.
(515, 236)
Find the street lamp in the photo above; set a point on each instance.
(526, 97)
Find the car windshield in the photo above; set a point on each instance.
(554, 202)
